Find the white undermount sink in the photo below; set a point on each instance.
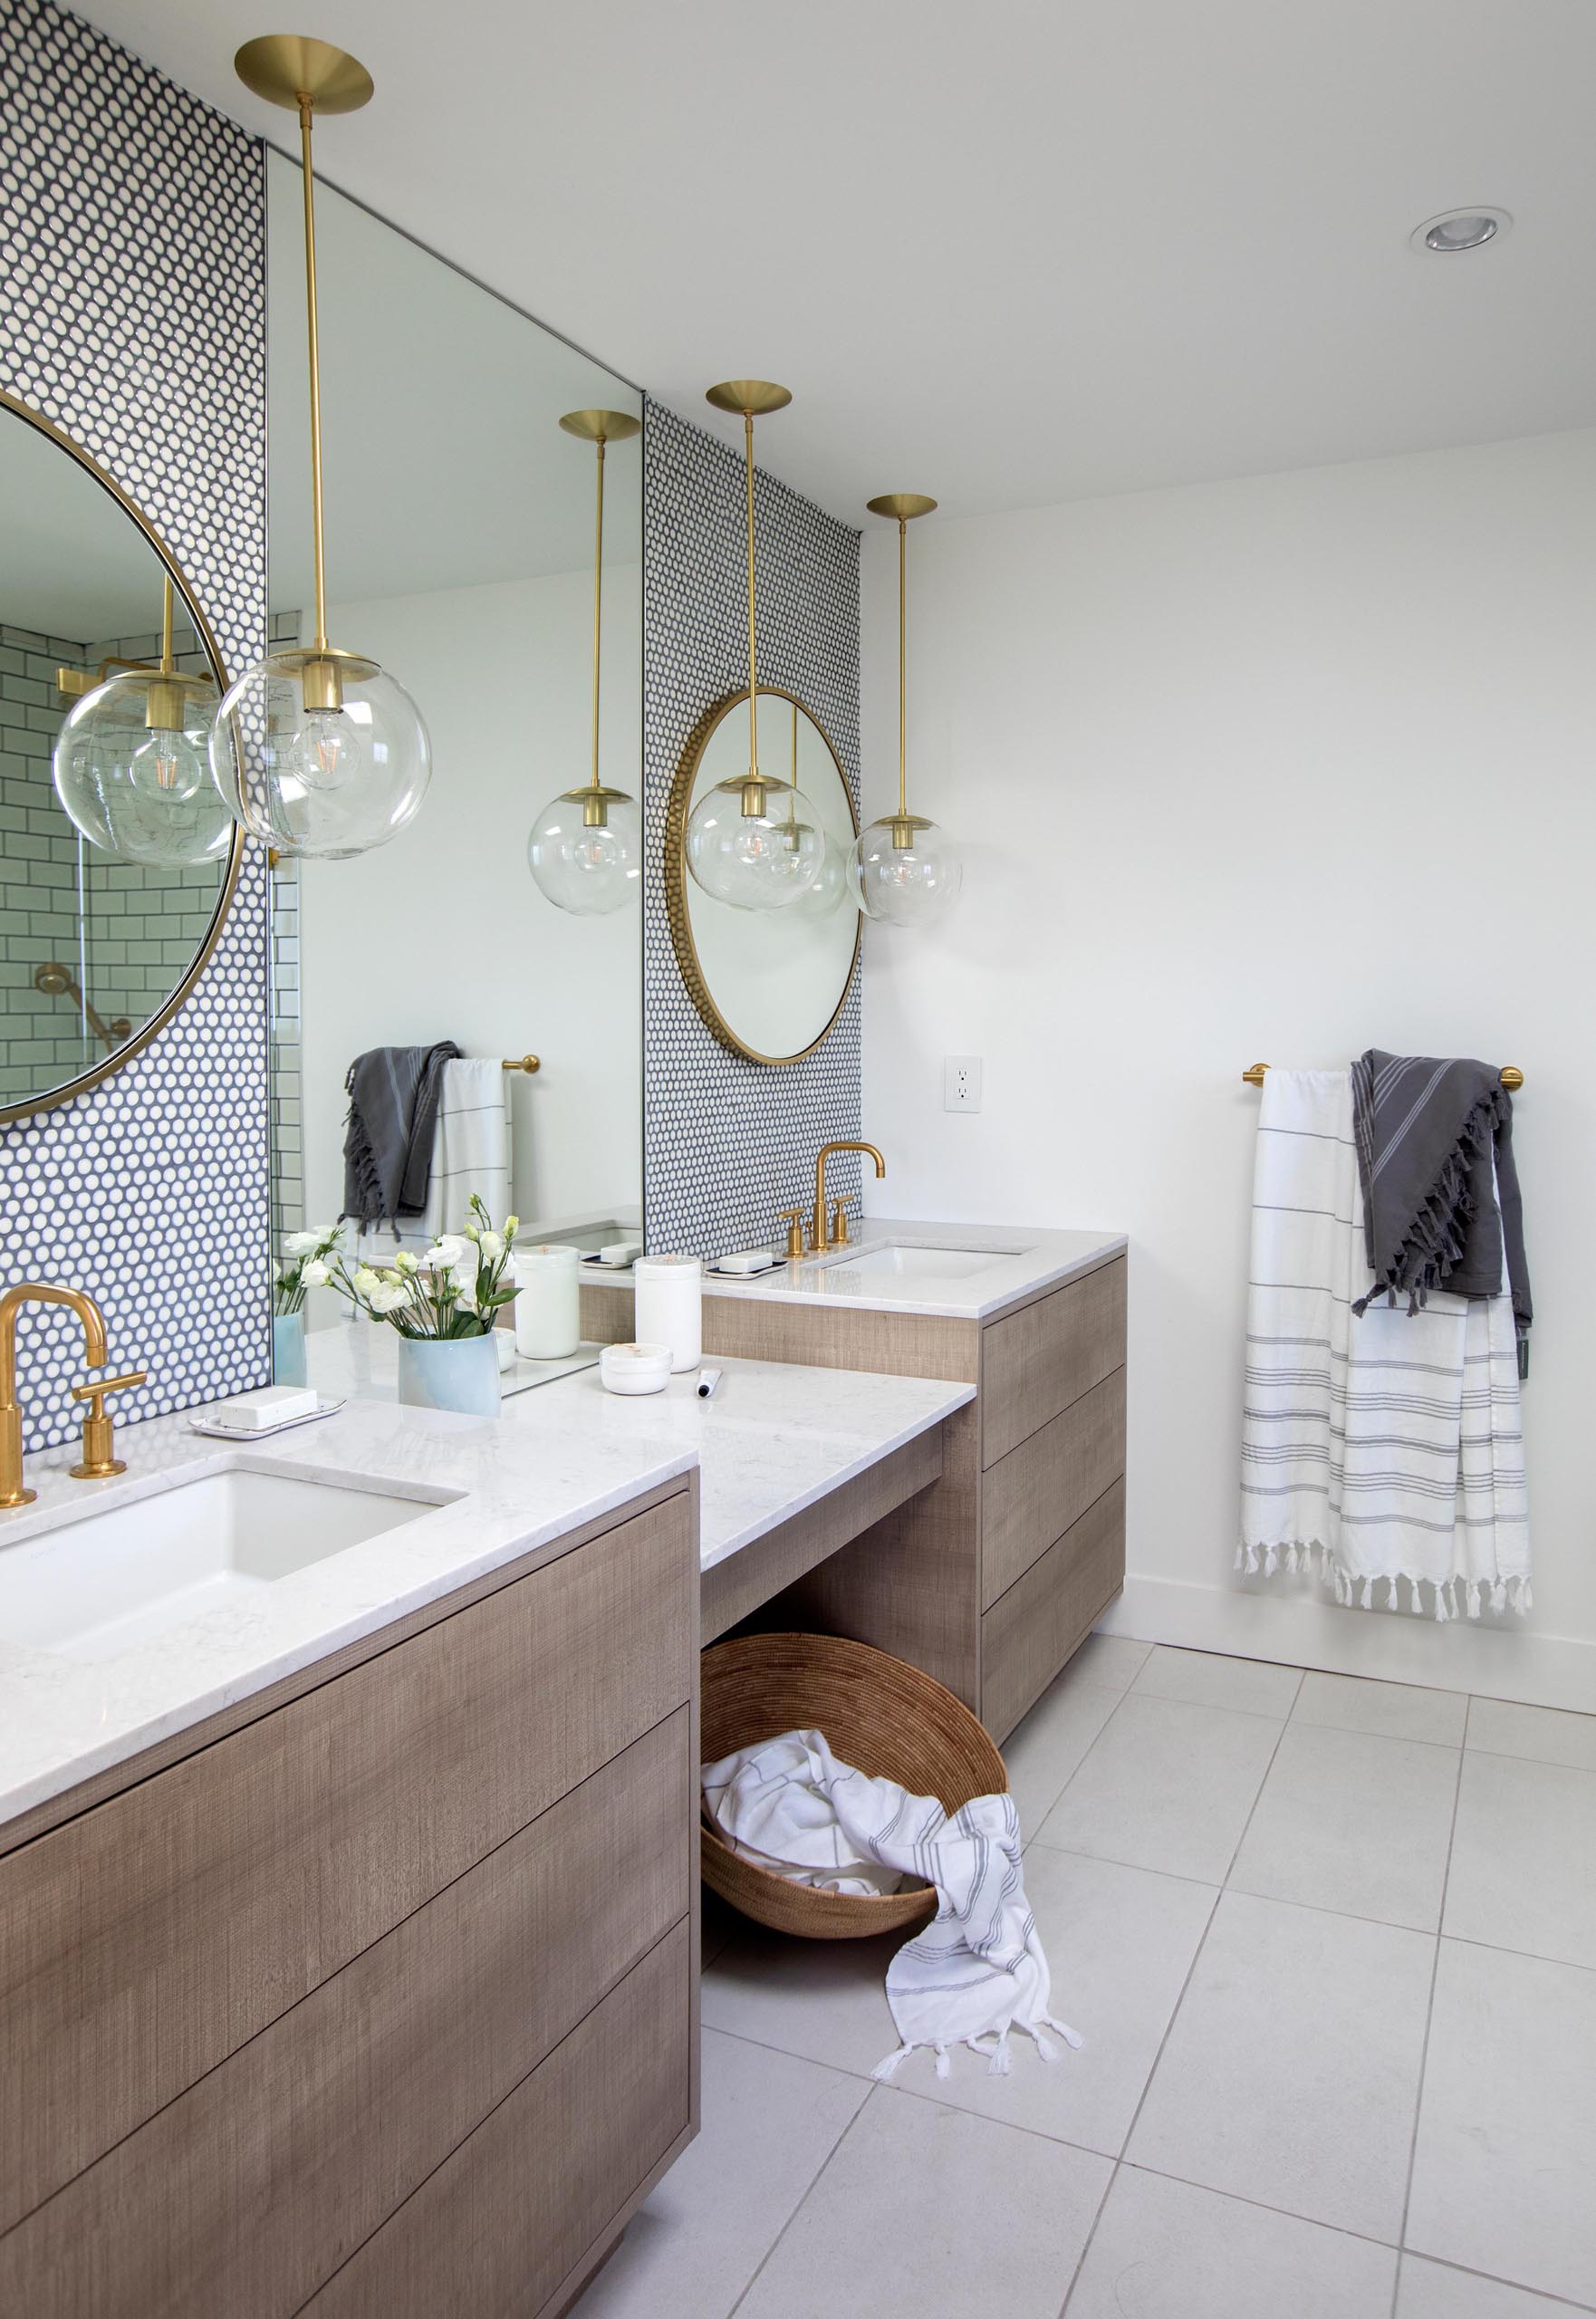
(898, 1261)
(122, 1574)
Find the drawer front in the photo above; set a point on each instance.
(1047, 1354)
(503, 2225)
(245, 2194)
(148, 1939)
(1029, 1633)
(1030, 1498)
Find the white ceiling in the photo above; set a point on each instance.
(1009, 253)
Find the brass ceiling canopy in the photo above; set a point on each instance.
(602, 425)
(901, 506)
(290, 67)
(749, 397)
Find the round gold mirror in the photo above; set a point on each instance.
(117, 857)
(769, 983)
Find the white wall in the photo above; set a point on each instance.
(1275, 769)
(443, 934)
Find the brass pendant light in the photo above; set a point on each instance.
(754, 839)
(315, 749)
(130, 764)
(585, 850)
(904, 870)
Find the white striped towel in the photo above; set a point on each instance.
(470, 1153)
(977, 1969)
(1390, 1445)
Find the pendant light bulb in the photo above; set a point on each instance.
(316, 750)
(754, 840)
(130, 764)
(904, 871)
(586, 847)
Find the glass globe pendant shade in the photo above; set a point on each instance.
(830, 888)
(131, 769)
(756, 844)
(904, 870)
(586, 850)
(319, 754)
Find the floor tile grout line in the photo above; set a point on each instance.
(1074, 2281)
(798, 2204)
(1317, 1908)
(1517, 2287)
(1258, 1796)
(1430, 2015)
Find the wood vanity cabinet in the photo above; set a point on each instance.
(993, 1575)
(377, 1994)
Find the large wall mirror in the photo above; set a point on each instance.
(769, 984)
(107, 681)
(460, 530)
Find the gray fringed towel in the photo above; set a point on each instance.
(387, 1143)
(1441, 1201)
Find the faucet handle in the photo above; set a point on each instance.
(793, 1218)
(839, 1219)
(99, 1461)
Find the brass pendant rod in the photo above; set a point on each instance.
(752, 680)
(306, 109)
(902, 667)
(598, 600)
(167, 661)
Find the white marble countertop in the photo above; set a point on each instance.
(771, 1442)
(1024, 1261)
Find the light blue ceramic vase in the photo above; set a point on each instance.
(288, 1363)
(460, 1373)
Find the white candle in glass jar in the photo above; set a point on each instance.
(548, 1301)
(669, 1310)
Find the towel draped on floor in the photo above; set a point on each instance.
(1389, 1444)
(977, 1969)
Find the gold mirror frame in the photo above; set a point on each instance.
(677, 875)
(137, 1042)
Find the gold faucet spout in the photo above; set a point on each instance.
(819, 1235)
(34, 1291)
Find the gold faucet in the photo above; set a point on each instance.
(34, 1291)
(819, 1238)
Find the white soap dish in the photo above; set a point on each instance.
(751, 1264)
(201, 1421)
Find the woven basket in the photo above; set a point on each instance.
(878, 1714)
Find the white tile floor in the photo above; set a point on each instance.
(1332, 1947)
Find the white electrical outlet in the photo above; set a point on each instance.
(961, 1083)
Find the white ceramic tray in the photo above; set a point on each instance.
(200, 1422)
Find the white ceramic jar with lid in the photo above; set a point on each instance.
(669, 1310)
(548, 1301)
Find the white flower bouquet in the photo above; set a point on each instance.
(307, 1263)
(451, 1291)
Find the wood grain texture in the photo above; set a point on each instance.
(148, 1939)
(841, 1336)
(101, 1786)
(245, 2194)
(1036, 1361)
(911, 1584)
(1030, 1498)
(732, 1589)
(1030, 1631)
(502, 2225)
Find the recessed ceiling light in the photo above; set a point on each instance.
(1460, 229)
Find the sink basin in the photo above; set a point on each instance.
(898, 1262)
(123, 1573)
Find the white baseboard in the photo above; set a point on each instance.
(1389, 1646)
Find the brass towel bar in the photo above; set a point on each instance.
(521, 1063)
(1512, 1076)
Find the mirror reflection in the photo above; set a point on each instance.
(769, 983)
(461, 550)
(114, 846)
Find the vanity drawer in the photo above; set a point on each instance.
(1032, 1496)
(1043, 1357)
(503, 2225)
(1030, 1631)
(244, 2194)
(148, 1939)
